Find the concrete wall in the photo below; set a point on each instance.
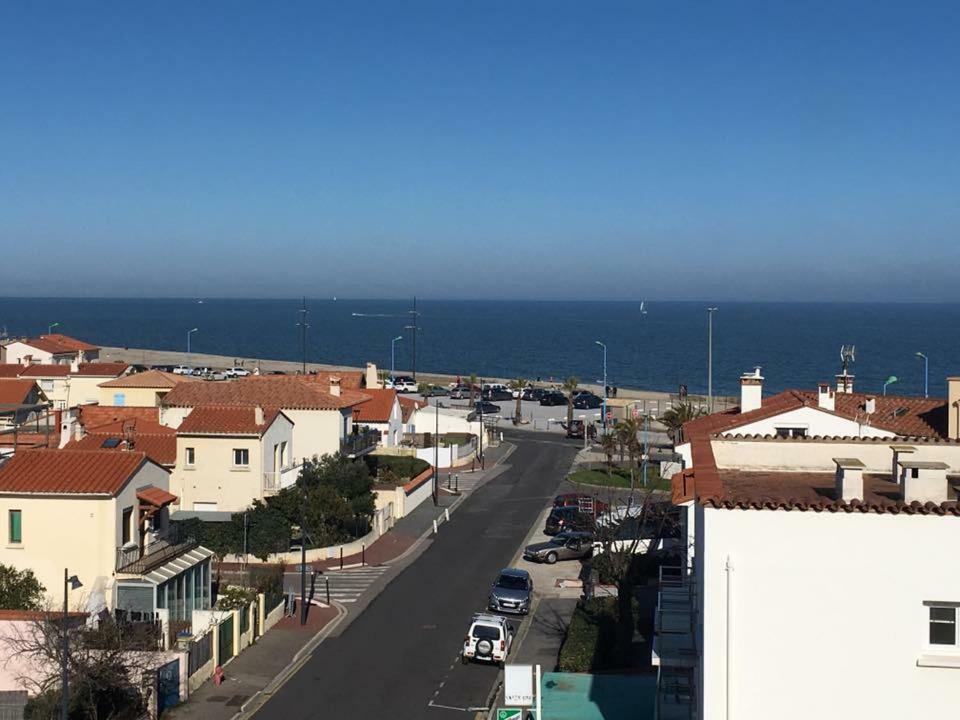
(827, 614)
(426, 419)
(817, 455)
(77, 532)
(817, 422)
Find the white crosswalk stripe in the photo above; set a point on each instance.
(465, 482)
(348, 585)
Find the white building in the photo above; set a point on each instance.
(50, 349)
(382, 413)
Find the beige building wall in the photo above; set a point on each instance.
(18, 351)
(213, 479)
(131, 397)
(76, 532)
(84, 389)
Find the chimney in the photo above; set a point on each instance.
(751, 390)
(870, 405)
(28, 360)
(849, 479)
(924, 481)
(335, 386)
(371, 379)
(258, 415)
(845, 382)
(74, 367)
(77, 430)
(825, 397)
(953, 408)
(899, 450)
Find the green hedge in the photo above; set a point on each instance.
(404, 467)
(591, 637)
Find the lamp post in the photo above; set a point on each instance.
(51, 326)
(189, 333)
(70, 582)
(393, 346)
(926, 374)
(481, 423)
(436, 452)
(890, 381)
(710, 312)
(603, 345)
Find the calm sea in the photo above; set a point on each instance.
(797, 345)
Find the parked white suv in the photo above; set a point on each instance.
(488, 639)
(404, 385)
(182, 370)
(237, 372)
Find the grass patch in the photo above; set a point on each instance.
(619, 477)
(403, 467)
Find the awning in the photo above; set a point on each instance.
(178, 565)
(155, 496)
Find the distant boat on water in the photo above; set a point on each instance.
(643, 307)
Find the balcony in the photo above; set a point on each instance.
(360, 442)
(135, 560)
(674, 652)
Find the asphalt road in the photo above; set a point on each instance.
(400, 658)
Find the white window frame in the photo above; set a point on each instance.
(189, 457)
(243, 465)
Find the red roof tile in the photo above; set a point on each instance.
(349, 379)
(102, 369)
(10, 370)
(149, 379)
(16, 392)
(53, 616)
(58, 344)
(156, 496)
(159, 442)
(26, 440)
(226, 421)
(97, 415)
(286, 392)
(47, 371)
(408, 406)
(378, 408)
(70, 472)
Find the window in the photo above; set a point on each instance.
(790, 432)
(119, 399)
(46, 385)
(943, 625)
(914, 473)
(16, 527)
(190, 457)
(125, 522)
(241, 457)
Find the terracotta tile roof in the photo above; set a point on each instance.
(149, 379)
(58, 344)
(158, 441)
(139, 425)
(53, 616)
(102, 369)
(97, 415)
(378, 408)
(816, 492)
(349, 379)
(30, 440)
(16, 392)
(156, 496)
(10, 370)
(70, 472)
(226, 421)
(45, 371)
(408, 406)
(286, 392)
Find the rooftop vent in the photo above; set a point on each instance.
(924, 481)
(849, 479)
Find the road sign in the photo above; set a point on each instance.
(509, 714)
(518, 684)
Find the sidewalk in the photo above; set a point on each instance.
(260, 664)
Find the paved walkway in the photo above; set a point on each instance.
(259, 665)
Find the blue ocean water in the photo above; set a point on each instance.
(796, 344)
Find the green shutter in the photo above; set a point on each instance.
(15, 527)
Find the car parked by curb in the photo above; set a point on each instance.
(489, 639)
(565, 546)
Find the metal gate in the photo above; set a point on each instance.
(168, 685)
(226, 640)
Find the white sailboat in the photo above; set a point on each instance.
(643, 307)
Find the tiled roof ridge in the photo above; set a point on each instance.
(844, 438)
(893, 507)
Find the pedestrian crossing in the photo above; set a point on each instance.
(346, 586)
(464, 482)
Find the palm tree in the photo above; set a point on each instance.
(608, 442)
(676, 417)
(570, 386)
(627, 432)
(473, 384)
(517, 385)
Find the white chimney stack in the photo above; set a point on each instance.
(924, 481)
(849, 479)
(870, 405)
(258, 415)
(825, 397)
(845, 382)
(372, 379)
(751, 390)
(953, 408)
(335, 386)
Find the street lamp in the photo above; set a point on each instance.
(604, 387)
(51, 326)
(710, 312)
(70, 582)
(189, 333)
(890, 381)
(926, 374)
(393, 346)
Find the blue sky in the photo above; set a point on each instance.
(667, 150)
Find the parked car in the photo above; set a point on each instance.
(563, 519)
(489, 639)
(625, 528)
(433, 390)
(236, 372)
(531, 393)
(511, 592)
(182, 370)
(587, 401)
(216, 375)
(461, 392)
(201, 371)
(552, 398)
(586, 503)
(565, 546)
(404, 385)
(496, 394)
(576, 430)
(488, 408)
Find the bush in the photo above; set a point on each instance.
(235, 597)
(404, 467)
(591, 641)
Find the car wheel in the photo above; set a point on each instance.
(551, 558)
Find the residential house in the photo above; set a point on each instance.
(382, 412)
(103, 515)
(322, 417)
(408, 409)
(54, 349)
(816, 525)
(159, 442)
(145, 389)
(69, 385)
(20, 400)
(227, 457)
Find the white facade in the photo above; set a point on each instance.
(814, 422)
(20, 353)
(826, 614)
(391, 431)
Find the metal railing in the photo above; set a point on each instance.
(137, 560)
(271, 483)
(360, 442)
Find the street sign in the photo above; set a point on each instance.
(518, 684)
(509, 714)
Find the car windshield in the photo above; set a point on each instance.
(512, 582)
(485, 631)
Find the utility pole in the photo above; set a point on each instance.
(413, 313)
(303, 554)
(709, 360)
(303, 332)
(481, 423)
(436, 451)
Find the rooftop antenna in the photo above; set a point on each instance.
(847, 356)
(303, 332)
